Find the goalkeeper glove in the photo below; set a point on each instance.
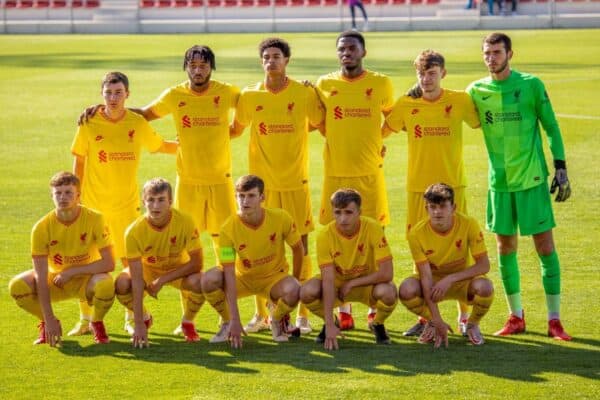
(560, 181)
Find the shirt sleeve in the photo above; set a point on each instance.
(381, 248)
(547, 118)
(151, 140)
(476, 238)
(395, 119)
(133, 248)
(416, 249)
(290, 233)
(235, 96)
(388, 98)
(226, 248)
(39, 239)
(316, 114)
(242, 112)
(101, 232)
(80, 146)
(324, 256)
(162, 105)
(193, 234)
(471, 116)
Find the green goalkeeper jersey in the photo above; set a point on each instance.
(510, 112)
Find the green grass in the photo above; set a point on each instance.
(45, 81)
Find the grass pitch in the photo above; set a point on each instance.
(45, 81)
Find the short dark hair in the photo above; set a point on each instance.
(249, 182)
(157, 185)
(115, 77)
(351, 34)
(498, 37)
(429, 59)
(439, 193)
(343, 197)
(277, 43)
(204, 52)
(64, 178)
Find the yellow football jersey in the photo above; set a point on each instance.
(278, 149)
(353, 122)
(77, 243)
(435, 145)
(166, 248)
(112, 152)
(202, 123)
(450, 252)
(260, 249)
(355, 256)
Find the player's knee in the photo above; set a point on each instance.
(18, 287)
(123, 284)
(386, 292)
(409, 288)
(193, 282)
(482, 287)
(212, 280)
(310, 291)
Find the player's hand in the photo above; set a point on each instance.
(415, 92)
(441, 333)
(88, 113)
(439, 290)
(561, 182)
(235, 334)
(61, 279)
(383, 151)
(331, 334)
(53, 332)
(140, 335)
(154, 287)
(308, 83)
(344, 290)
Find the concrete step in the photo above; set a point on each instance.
(461, 12)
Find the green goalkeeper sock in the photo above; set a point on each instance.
(511, 280)
(551, 280)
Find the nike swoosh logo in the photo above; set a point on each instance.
(485, 97)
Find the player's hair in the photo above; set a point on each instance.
(156, 186)
(115, 77)
(249, 182)
(64, 178)
(343, 197)
(429, 59)
(439, 193)
(277, 43)
(498, 37)
(351, 34)
(204, 52)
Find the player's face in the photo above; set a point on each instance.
(273, 61)
(158, 207)
(430, 80)
(114, 95)
(249, 202)
(496, 57)
(347, 219)
(198, 71)
(350, 52)
(65, 197)
(441, 215)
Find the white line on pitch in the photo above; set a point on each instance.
(574, 116)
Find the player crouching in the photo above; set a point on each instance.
(163, 247)
(72, 257)
(451, 262)
(356, 265)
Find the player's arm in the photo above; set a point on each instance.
(328, 291)
(53, 328)
(88, 113)
(386, 130)
(78, 166)
(384, 274)
(436, 318)
(236, 129)
(168, 147)
(297, 256)
(145, 112)
(140, 333)
(193, 266)
(106, 263)
(235, 325)
(481, 267)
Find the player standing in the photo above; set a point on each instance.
(450, 262)
(163, 248)
(71, 249)
(355, 100)
(511, 107)
(432, 118)
(280, 112)
(257, 235)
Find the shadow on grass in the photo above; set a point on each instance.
(523, 358)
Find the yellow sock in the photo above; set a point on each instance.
(217, 300)
(85, 310)
(25, 297)
(281, 309)
(316, 307)
(463, 308)
(104, 296)
(417, 306)
(127, 301)
(192, 305)
(183, 298)
(383, 311)
(481, 305)
(305, 274)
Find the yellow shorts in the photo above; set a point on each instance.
(118, 223)
(150, 275)
(295, 202)
(361, 294)
(415, 206)
(208, 205)
(75, 288)
(248, 286)
(458, 291)
(372, 191)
